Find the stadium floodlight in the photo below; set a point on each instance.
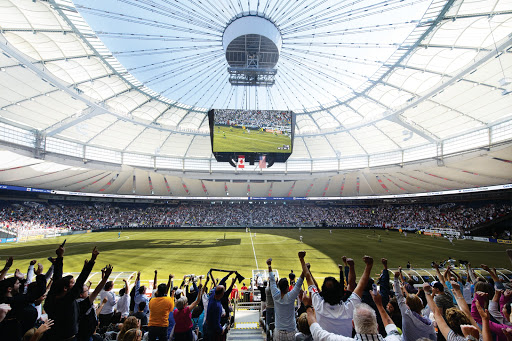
(252, 44)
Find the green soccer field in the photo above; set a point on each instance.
(234, 140)
(189, 251)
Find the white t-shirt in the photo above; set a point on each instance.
(337, 318)
(108, 308)
(123, 305)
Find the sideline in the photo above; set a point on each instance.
(440, 247)
(254, 251)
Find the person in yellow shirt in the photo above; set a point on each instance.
(159, 308)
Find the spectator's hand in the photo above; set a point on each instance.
(508, 333)
(108, 270)
(4, 309)
(427, 288)
(350, 262)
(305, 298)
(89, 284)
(368, 260)
(33, 262)
(455, 286)
(60, 251)
(308, 266)
(340, 267)
(468, 330)
(269, 261)
(302, 254)
(435, 265)
(39, 269)
(384, 262)
(95, 254)
(45, 326)
(376, 298)
(156, 271)
(484, 313)
(397, 274)
(18, 274)
(484, 295)
(171, 276)
(105, 300)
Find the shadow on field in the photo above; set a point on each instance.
(124, 245)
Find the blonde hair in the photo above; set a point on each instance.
(131, 335)
(130, 323)
(414, 303)
(303, 325)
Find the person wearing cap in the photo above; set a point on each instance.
(442, 298)
(159, 308)
(183, 318)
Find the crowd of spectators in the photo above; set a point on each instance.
(47, 305)
(31, 216)
(253, 118)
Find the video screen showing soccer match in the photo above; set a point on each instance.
(252, 131)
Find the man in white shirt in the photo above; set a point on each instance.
(123, 304)
(364, 321)
(108, 309)
(332, 314)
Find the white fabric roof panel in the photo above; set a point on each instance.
(126, 102)
(28, 15)
(200, 147)
(148, 140)
(176, 144)
(380, 142)
(88, 129)
(119, 134)
(77, 70)
(172, 116)
(103, 88)
(318, 147)
(150, 111)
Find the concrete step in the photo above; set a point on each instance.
(245, 335)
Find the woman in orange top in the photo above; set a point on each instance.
(159, 308)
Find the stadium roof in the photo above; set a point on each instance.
(102, 86)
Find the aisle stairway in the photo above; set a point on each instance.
(246, 327)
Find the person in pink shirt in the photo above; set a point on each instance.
(183, 318)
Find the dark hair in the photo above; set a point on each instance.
(142, 289)
(508, 307)
(6, 284)
(332, 291)
(161, 289)
(439, 286)
(109, 285)
(122, 292)
(283, 285)
(62, 283)
(142, 305)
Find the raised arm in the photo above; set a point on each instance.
(155, 280)
(305, 269)
(494, 276)
(440, 277)
(198, 299)
(86, 271)
(105, 273)
(383, 314)
(8, 264)
(438, 315)
(169, 283)
(363, 281)
(486, 329)
(461, 302)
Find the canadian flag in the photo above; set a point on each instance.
(241, 161)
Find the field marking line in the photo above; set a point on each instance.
(254, 251)
(438, 247)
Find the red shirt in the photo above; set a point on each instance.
(183, 319)
(234, 293)
(243, 288)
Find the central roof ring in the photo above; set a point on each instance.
(252, 44)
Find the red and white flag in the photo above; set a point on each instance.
(241, 161)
